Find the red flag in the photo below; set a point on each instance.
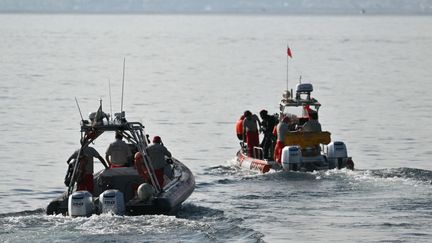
(289, 52)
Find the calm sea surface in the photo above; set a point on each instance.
(188, 78)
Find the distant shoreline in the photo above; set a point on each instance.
(240, 13)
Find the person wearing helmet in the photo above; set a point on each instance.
(282, 130)
(86, 167)
(267, 125)
(158, 154)
(118, 152)
(251, 123)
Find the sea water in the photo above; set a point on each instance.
(187, 79)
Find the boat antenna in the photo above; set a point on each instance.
(289, 55)
(109, 87)
(300, 78)
(76, 100)
(124, 63)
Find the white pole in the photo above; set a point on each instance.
(124, 63)
(109, 87)
(287, 69)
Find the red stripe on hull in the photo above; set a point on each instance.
(255, 164)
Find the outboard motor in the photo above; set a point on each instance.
(112, 201)
(80, 203)
(291, 158)
(336, 154)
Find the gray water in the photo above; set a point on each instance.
(188, 78)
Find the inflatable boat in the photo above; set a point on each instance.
(133, 189)
(302, 150)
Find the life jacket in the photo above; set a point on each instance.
(239, 127)
(139, 166)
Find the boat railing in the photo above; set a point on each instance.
(258, 152)
(141, 143)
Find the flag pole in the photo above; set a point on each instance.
(287, 67)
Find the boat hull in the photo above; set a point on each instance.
(126, 180)
(313, 163)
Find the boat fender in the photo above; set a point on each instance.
(145, 192)
(80, 203)
(112, 201)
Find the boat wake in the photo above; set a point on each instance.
(205, 224)
(234, 174)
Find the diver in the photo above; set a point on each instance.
(85, 169)
(267, 125)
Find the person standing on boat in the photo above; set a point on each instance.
(312, 125)
(267, 125)
(86, 167)
(118, 152)
(282, 130)
(251, 124)
(158, 153)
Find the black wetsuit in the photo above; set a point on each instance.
(267, 144)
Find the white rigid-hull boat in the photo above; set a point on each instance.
(123, 190)
(303, 151)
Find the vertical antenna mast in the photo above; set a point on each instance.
(109, 87)
(124, 63)
(82, 119)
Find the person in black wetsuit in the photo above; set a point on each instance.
(267, 126)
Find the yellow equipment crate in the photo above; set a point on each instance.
(307, 139)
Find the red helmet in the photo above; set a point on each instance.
(157, 139)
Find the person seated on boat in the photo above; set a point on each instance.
(267, 125)
(86, 167)
(251, 123)
(282, 130)
(118, 152)
(312, 125)
(158, 153)
(239, 128)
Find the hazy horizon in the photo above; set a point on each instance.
(220, 6)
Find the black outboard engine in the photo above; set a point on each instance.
(337, 155)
